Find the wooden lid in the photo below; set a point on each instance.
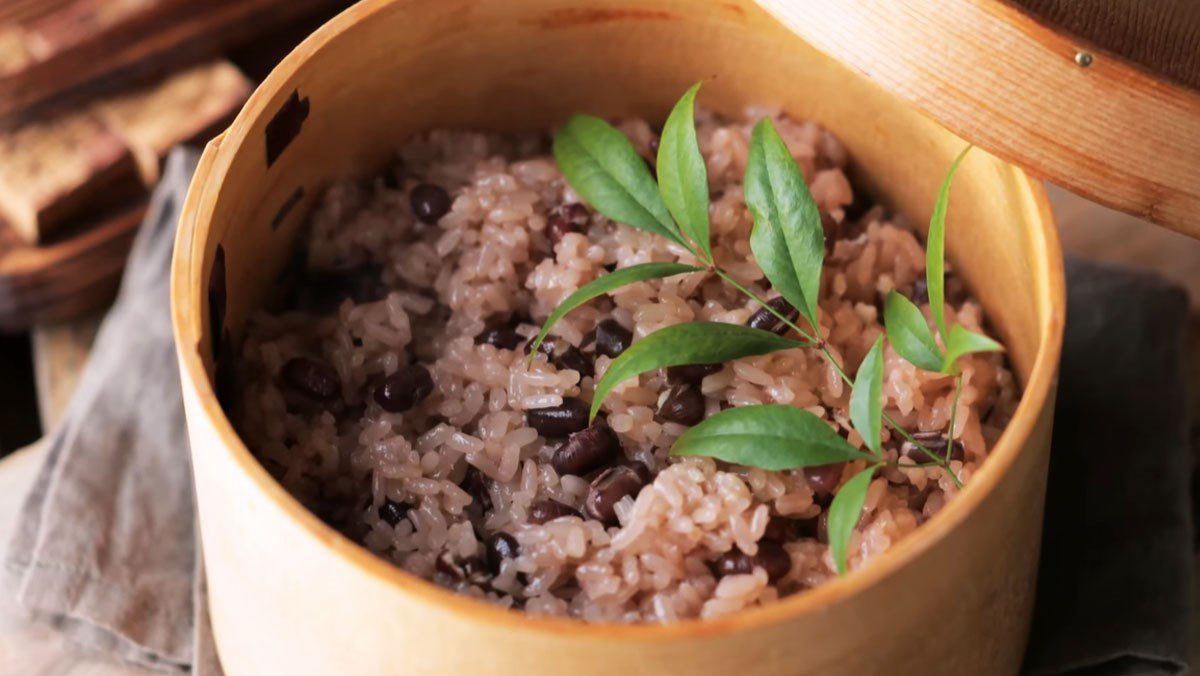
(1101, 97)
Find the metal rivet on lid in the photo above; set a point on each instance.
(1084, 59)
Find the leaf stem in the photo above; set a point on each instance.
(758, 299)
(958, 383)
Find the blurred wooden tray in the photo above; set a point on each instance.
(77, 271)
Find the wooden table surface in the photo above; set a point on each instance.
(60, 350)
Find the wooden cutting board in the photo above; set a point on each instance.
(93, 93)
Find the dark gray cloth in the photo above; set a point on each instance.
(1114, 588)
(106, 546)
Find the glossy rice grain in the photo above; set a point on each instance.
(458, 483)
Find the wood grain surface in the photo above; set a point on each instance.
(164, 35)
(1109, 130)
(1162, 36)
(59, 280)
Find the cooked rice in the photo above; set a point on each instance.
(490, 256)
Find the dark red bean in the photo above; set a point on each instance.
(612, 339)
(429, 202)
(470, 569)
(500, 547)
(691, 373)
(642, 471)
(475, 483)
(917, 499)
(502, 334)
(559, 421)
(683, 405)
(935, 442)
(564, 356)
(571, 358)
(771, 557)
(654, 141)
(830, 227)
(782, 529)
(566, 219)
(312, 378)
(404, 389)
(956, 291)
(823, 479)
(609, 488)
(766, 321)
(393, 512)
(920, 292)
(544, 511)
(587, 450)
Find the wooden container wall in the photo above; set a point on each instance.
(291, 595)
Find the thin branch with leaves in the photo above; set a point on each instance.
(788, 243)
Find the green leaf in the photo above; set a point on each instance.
(768, 436)
(844, 512)
(909, 333)
(787, 240)
(602, 285)
(935, 248)
(682, 176)
(866, 399)
(602, 166)
(690, 343)
(963, 341)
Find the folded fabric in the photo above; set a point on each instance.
(1114, 587)
(106, 546)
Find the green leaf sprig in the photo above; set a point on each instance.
(788, 242)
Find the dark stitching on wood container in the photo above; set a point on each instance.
(287, 206)
(224, 376)
(285, 126)
(217, 291)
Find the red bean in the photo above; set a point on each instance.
(429, 202)
(404, 389)
(771, 557)
(935, 442)
(566, 219)
(765, 320)
(823, 479)
(612, 339)
(500, 547)
(312, 378)
(691, 374)
(683, 405)
(559, 421)
(392, 512)
(608, 489)
(501, 333)
(470, 569)
(544, 511)
(587, 450)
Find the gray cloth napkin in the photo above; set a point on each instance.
(1114, 586)
(106, 546)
